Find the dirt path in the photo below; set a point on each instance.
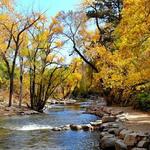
(136, 120)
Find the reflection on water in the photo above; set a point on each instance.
(33, 132)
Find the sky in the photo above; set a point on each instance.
(52, 6)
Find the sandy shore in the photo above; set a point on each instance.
(135, 120)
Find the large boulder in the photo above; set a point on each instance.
(120, 145)
(106, 119)
(106, 134)
(107, 143)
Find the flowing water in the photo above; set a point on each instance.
(34, 132)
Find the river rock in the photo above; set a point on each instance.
(75, 127)
(123, 133)
(113, 131)
(106, 119)
(106, 134)
(143, 144)
(66, 127)
(56, 129)
(130, 139)
(96, 123)
(108, 143)
(87, 127)
(120, 145)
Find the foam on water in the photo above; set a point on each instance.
(31, 127)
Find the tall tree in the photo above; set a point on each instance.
(13, 30)
(107, 15)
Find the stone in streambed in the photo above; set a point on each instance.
(87, 127)
(56, 129)
(75, 127)
(96, 123)
(66, 127)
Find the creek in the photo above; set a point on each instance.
(33, 132)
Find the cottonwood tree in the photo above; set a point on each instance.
(13, 29)
(75, 31)
(68, 86)
(45, 64)
(125, 72)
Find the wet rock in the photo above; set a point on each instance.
(108, 143)
(56, 129)
(66, 127)
(87, 127)
(106, 119)
(120, 145)
(96, 123)
(75, 127)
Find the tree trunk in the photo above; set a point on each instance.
(21, 80)
(11, 89)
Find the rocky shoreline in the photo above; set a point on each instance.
(114, 136)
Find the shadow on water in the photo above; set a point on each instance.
(33, 132)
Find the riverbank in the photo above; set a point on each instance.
(123, 128)
(15, 110)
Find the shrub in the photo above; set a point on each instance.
(143, 100)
